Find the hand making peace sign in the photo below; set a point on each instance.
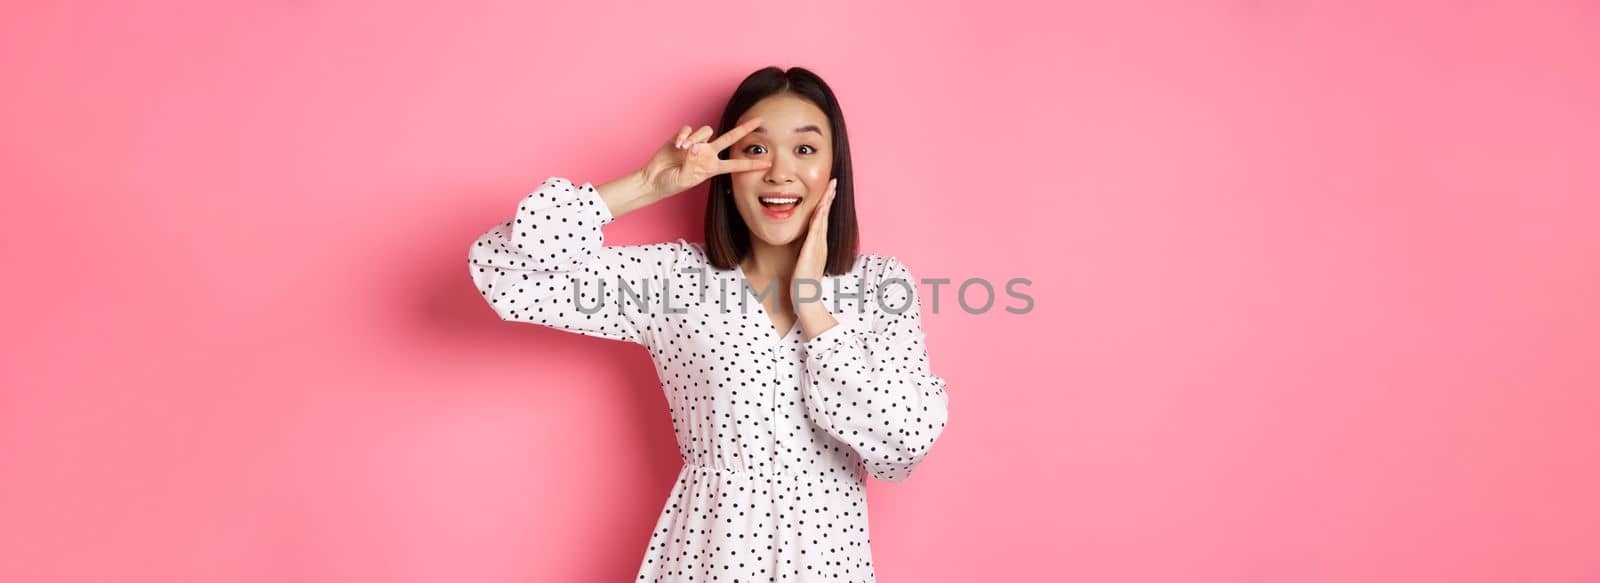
(688, 159)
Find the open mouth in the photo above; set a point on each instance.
(780, 203)
(779, 207)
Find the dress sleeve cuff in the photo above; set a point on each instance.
(590, 196)
(831, 337)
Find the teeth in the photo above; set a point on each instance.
(779, 200)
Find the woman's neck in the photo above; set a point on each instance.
(769, 261)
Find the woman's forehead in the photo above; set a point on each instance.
(785, 114)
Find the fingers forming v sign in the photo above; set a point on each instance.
(700, 158)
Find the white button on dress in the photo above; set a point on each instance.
(777, 433)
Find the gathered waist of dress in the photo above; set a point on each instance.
(749, 473)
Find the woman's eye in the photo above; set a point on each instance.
(759, 149)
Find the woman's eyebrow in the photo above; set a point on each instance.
(804, 128)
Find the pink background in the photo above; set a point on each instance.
(1316, 285)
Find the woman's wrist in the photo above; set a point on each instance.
(814, 319)
(627, 193)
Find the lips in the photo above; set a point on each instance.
(779, 205)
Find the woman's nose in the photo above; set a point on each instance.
(779, 172)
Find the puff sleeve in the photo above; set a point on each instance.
(870, 385)
(548, 265)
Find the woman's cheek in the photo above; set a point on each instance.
(816, 178)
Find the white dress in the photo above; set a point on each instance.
(776, 433)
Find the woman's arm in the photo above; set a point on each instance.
(872, 388)
(549, 265)
(628, 193)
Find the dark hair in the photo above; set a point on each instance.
(727, 237)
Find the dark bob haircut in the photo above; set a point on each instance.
(727, 237)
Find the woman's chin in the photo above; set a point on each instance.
(777, 239)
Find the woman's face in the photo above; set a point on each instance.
(795, 136)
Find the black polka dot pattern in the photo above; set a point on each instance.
(777, 433)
